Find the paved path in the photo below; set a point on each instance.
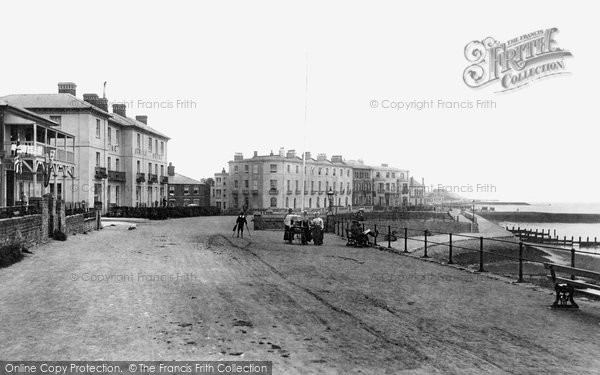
(184, 289)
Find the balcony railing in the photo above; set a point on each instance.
(289, 192)
(313, 192)
(100, 173)
(254, 191)
(35, 149)
(140, 177)
(273, 191)
(297, 191)
(245, 191)
(321, 192)
(164, 179)
(152, 178)
(116, 176)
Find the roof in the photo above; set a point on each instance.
(28, 114)
(415, 183)
(180, 179)
(127, 121)
(54, 101)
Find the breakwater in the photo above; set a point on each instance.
(540, 217)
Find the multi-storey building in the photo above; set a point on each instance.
(104, 142)
(362, 194)
(282, 181)
(416, 192)
(218, 196)
(36, 157)
(185, 191)
(390, 186)
(137, 161)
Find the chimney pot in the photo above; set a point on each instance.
(255, 153)
(171, 170)
(120, 109)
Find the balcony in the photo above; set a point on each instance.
(321, 192)
(245, 191)
(164, 180)
(140, 177)
(289, 192)
(235, 192)
(116, 176)
(152, 178)
(273, 191)
(100, 173)
(297, 192)
(313, 192)
(30, 150)
(254, 191)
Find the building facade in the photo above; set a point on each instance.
(416, 192)
(279, 181)
(36, 157)
(185, 191)
(390, 186)
(105, 142)
(218, 195)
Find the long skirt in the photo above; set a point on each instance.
(287, 236)
(317, 235)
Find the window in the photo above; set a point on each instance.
(319, 185)
(254, 185)
(117, 196)
(297, 169)
(162, 147)
(138, 166)
(326, 171)
(246, 168)
(117, 165)
(309, 202)
(255, 168)
(97, 159)
(196, 190)
(150, 144)
(235, 184)
(273, 168)
(296, 184)
(117, 136)
(171, 190)
(139, 140)
(196, 202)
(246, 184)
(320, 171)
(393, 174)
(377, 175)
(273, 185)
(156, 169)
(156, 145)
(162, 170)
(56, 119)
(288, 170)
(109, 135)
(186, 202)
(97, 128)
(273, 202)
(149, 167)
(235, 169)
(334, 171)
(288, 186)
(186, 189)
(108, 163)
(387, 174)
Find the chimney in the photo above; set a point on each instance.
(321, 157)
(282, 152)
(255, 153)
(223, 171)
(307, 155)
(291, 154)
(361, 161)
(384, 165)
(142, 119)
(120, 109)
(94, 100)
(171, 170)
(336, 158)
(238, 156)
(67, 88)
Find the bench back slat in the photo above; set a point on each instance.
(571, 271)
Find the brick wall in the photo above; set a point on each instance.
(27, 230)
(76, 224)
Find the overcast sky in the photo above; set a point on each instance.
(243, 66)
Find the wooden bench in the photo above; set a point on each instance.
(360, 240)
(566, 287)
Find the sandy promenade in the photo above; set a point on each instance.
(184, 289)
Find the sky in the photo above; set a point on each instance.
(226, 77)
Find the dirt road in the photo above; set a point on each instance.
(184, 289)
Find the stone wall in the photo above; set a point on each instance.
(76, 224)
(27, 230)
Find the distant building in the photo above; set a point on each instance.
(362, 193)
(185, 191)
(218, 195)
(416, 192)
(390, 186)
(275, 181)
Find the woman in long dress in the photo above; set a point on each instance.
(317, 230)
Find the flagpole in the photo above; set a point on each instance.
(304, 132)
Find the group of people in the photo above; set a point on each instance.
(309, 229)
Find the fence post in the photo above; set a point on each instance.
(343, 230)
(450, 249)
(520, 262)
(481, 254)
(573, 261)
(425, 248)
(389, 236)
(375, 238)
(406, 240)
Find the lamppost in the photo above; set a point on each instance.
(330, 195)
(474, 218)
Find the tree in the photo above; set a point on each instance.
(209, 181)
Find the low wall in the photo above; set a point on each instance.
(267, 222)
(540, 217)
(26, 230)
(76, 224)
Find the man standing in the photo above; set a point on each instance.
(287, 222)
(239, 223)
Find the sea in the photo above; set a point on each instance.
(575, 230)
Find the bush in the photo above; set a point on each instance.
(59, 235)
(10, 254)
(162, 213)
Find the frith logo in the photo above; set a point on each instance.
(515, 63)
